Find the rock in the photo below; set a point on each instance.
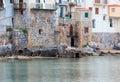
(63, 46)
(102, 54)
(4, 49)
(117, 46)
(70, 48)
(88, 49)
(13, 57)
(92, 45)
(95, 54)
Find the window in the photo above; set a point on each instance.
(86, 30)
(86, 14)
(97, 1)
(104, 17)
(60, 1)
(93, 23)
(38, 1)
(40, 31)
(96, 10)
(113, 9)
(61, 12)
(90, 8)
(11, 1)
(1, 3)
(21, 12)
(111, 22)
(105, 1)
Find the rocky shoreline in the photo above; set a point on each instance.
(67, 54)
(7, 52)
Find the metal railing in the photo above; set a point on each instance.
(44, 6)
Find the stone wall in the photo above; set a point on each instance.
(42, 25)
(106, 40)
(20, 40)
(42, 28)
(86, 32)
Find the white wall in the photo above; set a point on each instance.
(113, 1)
(100, 24)
(6, 14)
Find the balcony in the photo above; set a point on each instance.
(45, 6)
(19, 6)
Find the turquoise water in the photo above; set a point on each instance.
(87, 69)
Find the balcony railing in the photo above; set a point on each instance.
(19, 6)
(45, 6)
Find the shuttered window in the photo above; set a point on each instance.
(11, 1)
(96, 10)
(86, 14)
(105, 1)
(93, 23)
(86, 30)
(97, 1)
(111, 22)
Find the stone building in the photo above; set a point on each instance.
(68, 32)
(76, 31)
(39, 18)
(84, 18)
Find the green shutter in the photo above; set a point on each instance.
(86, 15)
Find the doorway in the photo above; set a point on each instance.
(72, 42)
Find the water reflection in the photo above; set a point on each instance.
(13, 71)
(88, 69)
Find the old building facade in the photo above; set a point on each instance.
(40, 19)
(37, 18)
(76, 24)
(77, 30)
